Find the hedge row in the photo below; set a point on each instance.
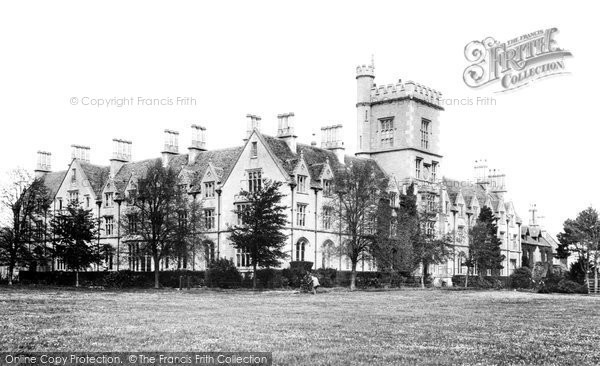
(114, 279)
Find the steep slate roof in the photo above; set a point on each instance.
(223, 161)
(97, 176)
(137, 168)
(315, 158)
(453, 187)
(53, 181)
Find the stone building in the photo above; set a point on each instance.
(398, 130)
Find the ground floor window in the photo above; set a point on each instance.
(300, 249)
(242, 257)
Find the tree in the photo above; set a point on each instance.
(260, 233)
(161, 218)
(484, 246)
(397, 228)
(27, 201)
(582, 238)
(75, 228)
(428, 247)
(360, 187)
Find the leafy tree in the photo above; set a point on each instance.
(261, 232)
(360, 188)
(484, 246)
(582, 238)
(161, 218)
(396, 232)
(75, 228)
(26, 201)
(429, 247)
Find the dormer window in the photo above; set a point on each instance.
(131, 196)
(108, 199)
(209, 189)
(327, 188)
(302, 179)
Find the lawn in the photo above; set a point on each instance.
(334, 328)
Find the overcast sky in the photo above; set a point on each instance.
(267, 58)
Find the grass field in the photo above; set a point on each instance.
(334, 328)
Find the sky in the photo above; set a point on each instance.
(261, 57)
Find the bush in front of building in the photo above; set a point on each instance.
(521, 278)
(327, 276)
(224, 274)
(560, 283)
(486, 282)
(269, 278)
(296, 272)
(114, 279)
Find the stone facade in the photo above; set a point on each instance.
(398, 130)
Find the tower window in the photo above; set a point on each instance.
(418, 168)
(425, 133)
(387, 132)
(434, 165)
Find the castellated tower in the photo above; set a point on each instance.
(398, 125)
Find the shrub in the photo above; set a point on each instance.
(521, 278)
(570, 287)
(576, 274)
(296, 272)
(269, 278)
(223, 273)
(327, 276)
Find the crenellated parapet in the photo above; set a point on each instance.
(408, 89)
(365, 70)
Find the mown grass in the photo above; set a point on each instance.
(334, 328)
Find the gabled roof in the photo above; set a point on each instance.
(314, 156)
(136, 169)
(53, 181)
(96, 175)
(222, 160)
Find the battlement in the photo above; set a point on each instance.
(365, 70)
(409, 89)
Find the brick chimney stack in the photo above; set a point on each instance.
(121, 154)
(80, 152)
(285, 130)
(332, 139)
(171, 146)
(43, 165)
(198, 143)
(253, 122)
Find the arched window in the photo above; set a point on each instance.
(327, 254)
(300, 248)
(209, 252)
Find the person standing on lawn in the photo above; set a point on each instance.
(315, 283)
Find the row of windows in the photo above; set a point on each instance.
(425, 171)
(386, 127)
